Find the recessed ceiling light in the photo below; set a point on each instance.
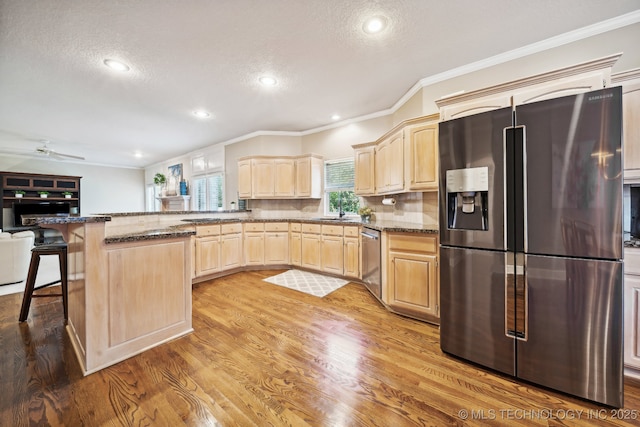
(116, 65)
(202, 114)
(374, 25)
(138, 154)
(268, 81)
(335, 117)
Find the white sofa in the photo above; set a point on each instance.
(15, 256)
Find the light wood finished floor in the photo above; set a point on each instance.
(264, 355)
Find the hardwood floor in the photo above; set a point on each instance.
(265, 355)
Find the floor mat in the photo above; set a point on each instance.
(309, 283)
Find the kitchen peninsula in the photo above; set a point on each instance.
(126, 294)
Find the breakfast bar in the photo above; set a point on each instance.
(126, 294)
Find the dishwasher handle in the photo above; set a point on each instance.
(369, 236)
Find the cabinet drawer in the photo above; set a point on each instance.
(207, 230)
(351, 231)
(231, 228)
(276, 226)
(311, 228)
(413, 242)
(254, 226)
(333, 230)
(631, 261)
(296, 226)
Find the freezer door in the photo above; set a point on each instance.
(472, 307)
(475, 142)
(574, 335)
(573, 175)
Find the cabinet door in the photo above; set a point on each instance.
(254, 248)
(310, 251)
(422, 157)
(303, 177)
(395, 163)
(262, 179)
(207, 255)
(332, 254)
(295, 249)
(352, 257)
(244, 179)
(231, 251)
(631, 130)
(364, 170)
(276, 248)
(381, 174)
(413, 287)
(632, 321)
(284, 185)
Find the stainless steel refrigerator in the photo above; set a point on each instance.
(531, 242)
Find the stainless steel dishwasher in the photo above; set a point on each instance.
(371, 270)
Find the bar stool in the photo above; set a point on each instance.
(59, 249)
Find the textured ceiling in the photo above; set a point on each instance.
(191, 54)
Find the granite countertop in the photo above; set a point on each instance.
(391, 226)
(28, 220)
(163, 233)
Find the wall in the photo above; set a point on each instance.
(103, 189)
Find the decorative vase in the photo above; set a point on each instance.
(365, 218)
(43, 196)
(67, 196)
(18, 196)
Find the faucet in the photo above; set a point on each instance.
(340, 211)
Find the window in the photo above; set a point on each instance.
(338, 187)
(208, 192)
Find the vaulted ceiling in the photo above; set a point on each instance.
(189, 55)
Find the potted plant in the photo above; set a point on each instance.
(67, 194)
(365, 213)
(160, 180)
(43, 194)
(19, 193)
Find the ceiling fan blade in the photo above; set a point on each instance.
(70, 156)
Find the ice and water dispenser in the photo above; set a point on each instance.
(468, 198)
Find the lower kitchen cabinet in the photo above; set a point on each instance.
(207, 255)
(295, 244)
(311, 246)
(253, 243)
(332, 254)
(276, 243)
(352, 252)
(632, 312)
(231, 246)
(412, 285)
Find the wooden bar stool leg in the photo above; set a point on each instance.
(62, 258)
(31, 282)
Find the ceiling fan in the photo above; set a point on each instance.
(54, 154)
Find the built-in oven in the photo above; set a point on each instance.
(371, 269)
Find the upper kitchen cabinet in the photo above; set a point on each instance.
(421, 157)
(283, 177)
(389, 164)
(630, 82)
(364, 163)
(404, 159)
(579, 78)
(309, 176)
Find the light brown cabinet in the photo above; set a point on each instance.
(352, 252)
(244, 179)
(412, 285)
(311, 246)
(207, 250)
(389, 164)
(268, 177)
(580, 78)
(364, 164)
(421, 157)
(332, 258)
(276, 243)
(253, 243)
(230, 246)
(404, 159)
(630, 82)
(295, 244)
(632, 312)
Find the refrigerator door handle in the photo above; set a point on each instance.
(515, 299)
